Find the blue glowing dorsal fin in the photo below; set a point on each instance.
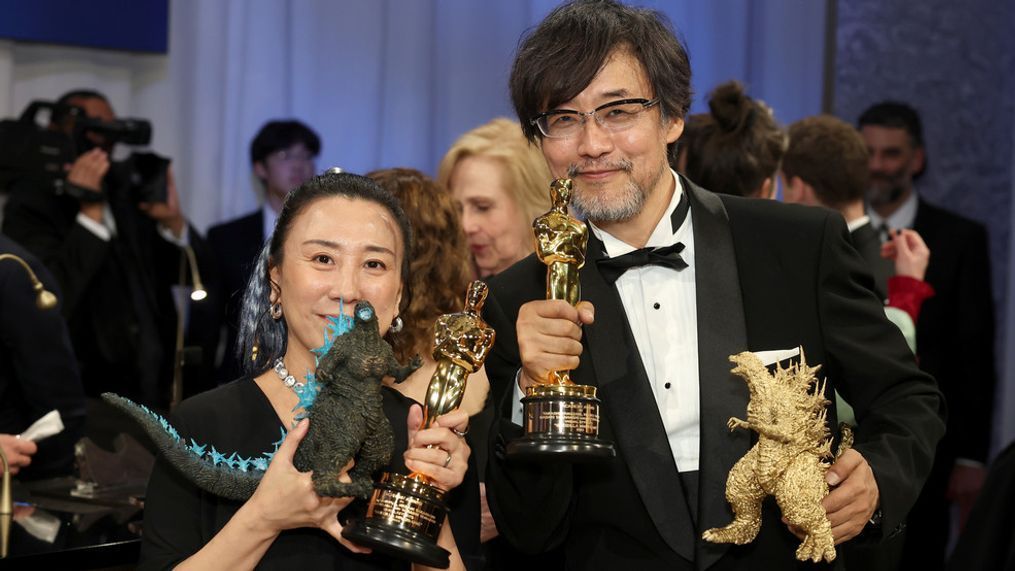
(336, 327)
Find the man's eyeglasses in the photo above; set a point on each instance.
(614, 116)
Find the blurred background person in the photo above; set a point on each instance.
(735, 148)
(282, 157)
(501, 183)
(826, 165)
(955, 333)
(38, 371)
(116, 258)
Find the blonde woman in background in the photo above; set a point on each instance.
(501, 183)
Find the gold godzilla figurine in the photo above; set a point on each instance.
(790, 459)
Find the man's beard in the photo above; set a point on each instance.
(594, 205)
(885, 189)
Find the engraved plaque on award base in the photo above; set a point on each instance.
(404, 519)
(561, 423)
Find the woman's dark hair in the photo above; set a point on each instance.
(256, 325)
(736, 146)
(562, 56)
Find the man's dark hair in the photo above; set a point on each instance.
(279, 135)
(560, 57)
(64, 101)
(81, 94)
(828, 154)
(897, 115)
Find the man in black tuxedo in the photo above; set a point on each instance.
(955, 332)
(115, 260)
(604, 89)
(282, 156)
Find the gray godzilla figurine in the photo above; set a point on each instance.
(347, 421)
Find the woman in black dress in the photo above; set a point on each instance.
(339, 239)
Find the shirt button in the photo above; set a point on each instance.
(655, 305)
(667, 385)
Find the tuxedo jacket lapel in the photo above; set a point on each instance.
(721, 332)
(633, 413)
(868, 244)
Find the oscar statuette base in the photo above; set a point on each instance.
(404, 520)
(561, 424)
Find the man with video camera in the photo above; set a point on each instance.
(113, 235)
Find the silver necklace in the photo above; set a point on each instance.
(288, 380)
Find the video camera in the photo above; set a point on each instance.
(34, 155)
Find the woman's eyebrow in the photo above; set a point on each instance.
(336, 246)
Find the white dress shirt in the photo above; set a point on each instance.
(903, 217)
(106, 229)
(662, 311)
(855, 223)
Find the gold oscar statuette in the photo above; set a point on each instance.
(406, 512)
(561, 418)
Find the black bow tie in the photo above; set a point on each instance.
(667, 256)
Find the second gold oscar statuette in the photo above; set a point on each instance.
(406, 512)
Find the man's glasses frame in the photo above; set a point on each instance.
(612, 123)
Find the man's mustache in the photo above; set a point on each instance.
(593, 166)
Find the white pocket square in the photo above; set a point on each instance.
(776, 355)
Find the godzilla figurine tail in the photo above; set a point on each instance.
(231, 476)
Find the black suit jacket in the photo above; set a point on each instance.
(235, 245)
(955, 331)
(769, 276)
(868, 245)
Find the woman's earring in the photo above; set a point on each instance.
(276, 311)
(396, 325)
(253, 353)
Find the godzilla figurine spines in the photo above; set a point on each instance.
(206, 468)
(788, 410)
